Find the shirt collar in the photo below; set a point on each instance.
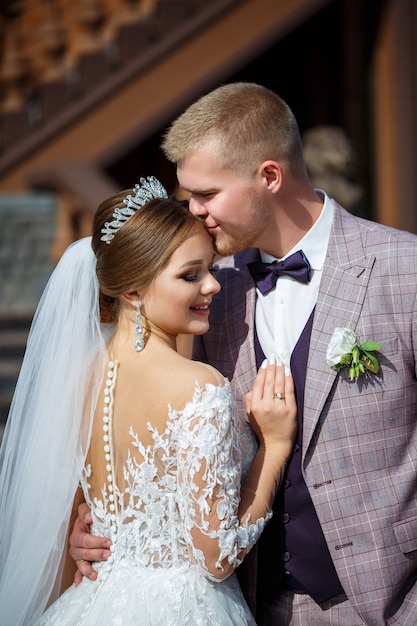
(314, 243)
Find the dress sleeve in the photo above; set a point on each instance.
(210, 463)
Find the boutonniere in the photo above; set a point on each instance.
(343, 351)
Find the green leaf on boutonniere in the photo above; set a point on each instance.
(368, 358)
(370, 346)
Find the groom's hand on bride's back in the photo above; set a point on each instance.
(85, 547)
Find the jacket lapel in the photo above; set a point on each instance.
(343, 287)
(236, 352)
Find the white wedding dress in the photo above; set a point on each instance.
(152, 501)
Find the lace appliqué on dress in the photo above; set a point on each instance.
(162, 513)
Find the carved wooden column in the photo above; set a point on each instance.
(130, 31)
(53, 88)
(92, 65)
(13, 77)
(395, 117)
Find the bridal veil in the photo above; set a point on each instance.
(47, 435)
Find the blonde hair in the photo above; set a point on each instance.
(246, 124)
(140, 249)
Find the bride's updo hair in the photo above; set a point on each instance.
(140, 248)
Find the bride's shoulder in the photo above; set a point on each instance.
(204, 374)
(183, 377)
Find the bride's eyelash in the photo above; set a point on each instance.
(189, 277)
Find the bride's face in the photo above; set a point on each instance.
(178, 299)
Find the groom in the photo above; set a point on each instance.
(342, 545)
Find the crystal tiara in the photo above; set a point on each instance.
(147, 189)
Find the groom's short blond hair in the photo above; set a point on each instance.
(246, 123)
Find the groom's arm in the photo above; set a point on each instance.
(70, 567)
(85, 547)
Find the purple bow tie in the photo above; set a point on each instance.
(265, 274)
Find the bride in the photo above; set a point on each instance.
(106, 407)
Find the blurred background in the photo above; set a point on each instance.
(88, 87)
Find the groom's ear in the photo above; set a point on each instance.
(271, 173)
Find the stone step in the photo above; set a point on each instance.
(13, 337)
(26, 239)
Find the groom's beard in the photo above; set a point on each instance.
(239, 237)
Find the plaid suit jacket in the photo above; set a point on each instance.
(359, 457)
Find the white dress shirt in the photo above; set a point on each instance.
(281, 314)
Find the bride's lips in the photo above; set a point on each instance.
(201, 309)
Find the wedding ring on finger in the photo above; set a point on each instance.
(278, 395)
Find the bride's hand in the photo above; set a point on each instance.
(271, 407)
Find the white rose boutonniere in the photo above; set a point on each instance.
(343, 351)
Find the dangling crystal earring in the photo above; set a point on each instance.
(139, 343)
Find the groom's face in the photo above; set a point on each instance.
(227, 201)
